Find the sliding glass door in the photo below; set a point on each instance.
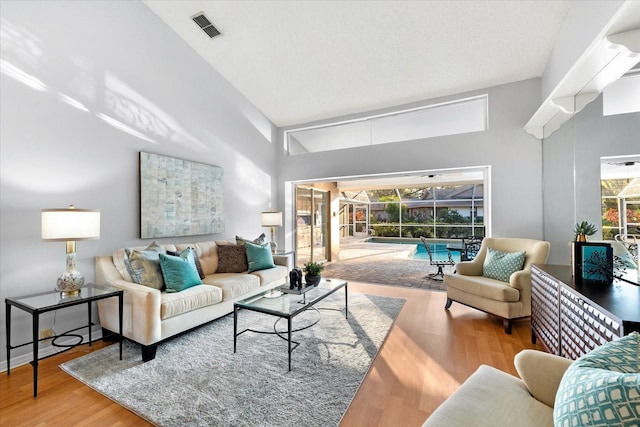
(311, 225)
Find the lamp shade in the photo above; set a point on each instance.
(271, 219)
(67, 224)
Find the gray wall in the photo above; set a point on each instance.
(515, 158)
(118, 59)
(572, 187)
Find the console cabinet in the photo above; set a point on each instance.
(571, 320)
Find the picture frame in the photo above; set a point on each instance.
(179, 197)
(593, 263)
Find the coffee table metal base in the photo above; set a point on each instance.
(289, 315)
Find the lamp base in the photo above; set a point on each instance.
(70, 282)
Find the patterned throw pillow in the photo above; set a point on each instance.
(179, 272)
(602, 388)
(259, 257)
(258, 240)
(196, 260)
(232, 259)
(144, 265)
(501, 265)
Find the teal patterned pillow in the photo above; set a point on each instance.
(144, 265)
(501, 265)
(259, 257)
(179, 272)
(602, 388)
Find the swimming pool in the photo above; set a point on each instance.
(439, 247)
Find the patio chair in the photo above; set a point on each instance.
(471, 248)
(440, 263)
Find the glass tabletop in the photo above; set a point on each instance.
(52, 298)
(288, 304)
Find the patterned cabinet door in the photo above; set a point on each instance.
(545, 318)
(583, 326)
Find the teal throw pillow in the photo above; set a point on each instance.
(501, 265)
(144, 265)
(195, 259)
(602, 388)
(259, 257)
(179, 272)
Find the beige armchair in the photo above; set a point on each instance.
(508, 300)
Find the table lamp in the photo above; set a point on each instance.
(69, 225)
(272, 220)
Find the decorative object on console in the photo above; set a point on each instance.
(582, 230)
(312, 273)
(272, 220)
(593, 263)
(179, 197)
(70, 225)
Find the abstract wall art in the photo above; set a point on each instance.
(179, 197)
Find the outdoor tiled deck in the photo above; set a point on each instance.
(381, 263)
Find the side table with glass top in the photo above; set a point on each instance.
(37, 304)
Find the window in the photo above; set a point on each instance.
(463, 116)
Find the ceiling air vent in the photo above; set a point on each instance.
(206, 25)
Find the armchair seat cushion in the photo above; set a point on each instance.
(483, 287)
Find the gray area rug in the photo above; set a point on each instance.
(197, 380)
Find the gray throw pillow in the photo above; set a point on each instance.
(258, 240)
(144, 265)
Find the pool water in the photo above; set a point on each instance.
(439, 249)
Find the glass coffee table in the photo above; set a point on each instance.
(287, 306)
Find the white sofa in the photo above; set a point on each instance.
(492, 398)
(151, 316)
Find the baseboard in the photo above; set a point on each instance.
(46, 350)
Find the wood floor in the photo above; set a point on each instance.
(427, 355)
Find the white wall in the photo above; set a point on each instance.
(515, 158)
(117, 59)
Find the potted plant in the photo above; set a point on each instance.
(584, 229)
(312, 273)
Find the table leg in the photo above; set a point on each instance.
(7, 324)
(346, 301)
(289, 339)
(120, 306)
(89, 324)
(34, 362)
(235, 327)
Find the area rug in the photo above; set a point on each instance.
(197, 380)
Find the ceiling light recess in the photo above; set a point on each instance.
(206, 25)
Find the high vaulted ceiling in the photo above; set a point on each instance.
(301, 61)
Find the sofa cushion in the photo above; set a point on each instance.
(232, 259)
(207, 253)
(501, 265)
(232, 284)
(259, 257)
(279, 273)
(179, 272)
(472, 404)
(483, 287)
(144, 265)
(174, 304)
(602, 388)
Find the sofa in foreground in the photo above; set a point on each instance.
(162, 302)
(602, 388)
